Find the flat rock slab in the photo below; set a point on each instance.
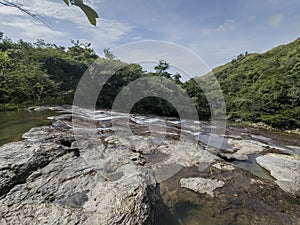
(44, 180)
(285, 168)
(243, 148)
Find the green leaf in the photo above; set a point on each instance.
(67, 2)
(90, 13)
(77, 2)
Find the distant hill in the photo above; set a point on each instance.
(264, 87)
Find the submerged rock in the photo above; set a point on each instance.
(201, 185)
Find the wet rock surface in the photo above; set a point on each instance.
(86, 168)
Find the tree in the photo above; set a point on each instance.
(177, 78)
(90, 13)
(108, 54)
(161, 69)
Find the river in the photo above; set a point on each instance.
(15, 123)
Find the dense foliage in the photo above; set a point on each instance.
(40, 73)
(264, 87)
(256, 87)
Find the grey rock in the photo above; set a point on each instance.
(224, 166)
(186, 153)
(285, 168)
(76, 200)
(243, 148)
(49, 178)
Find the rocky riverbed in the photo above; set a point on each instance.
(98, 167)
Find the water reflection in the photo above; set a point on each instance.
(13, 124)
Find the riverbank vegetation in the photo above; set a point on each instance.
(257, 87)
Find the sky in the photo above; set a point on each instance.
(215, 30)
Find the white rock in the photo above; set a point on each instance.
(201, 185)
(285, 168)
(224, 166)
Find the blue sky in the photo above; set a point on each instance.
(216, 30)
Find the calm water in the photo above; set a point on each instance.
(13, 124)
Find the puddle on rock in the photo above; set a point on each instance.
(252, 166)
(155, 157)
(238, 202)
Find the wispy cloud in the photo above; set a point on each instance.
(252, 18)
(107, 34)
(276, 20)
(33, 30)
(148, 53)
(228, 25)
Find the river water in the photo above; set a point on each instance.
(15, 123)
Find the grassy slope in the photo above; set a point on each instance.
(264, 87)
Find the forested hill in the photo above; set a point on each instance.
(264, 87)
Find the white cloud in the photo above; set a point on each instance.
(276, 20)
(10, 11)
(106, 34)
(59, 11)
(32, 31)
(228, 25)
(64, 22)
(45, 9)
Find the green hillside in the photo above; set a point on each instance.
(264, 87)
